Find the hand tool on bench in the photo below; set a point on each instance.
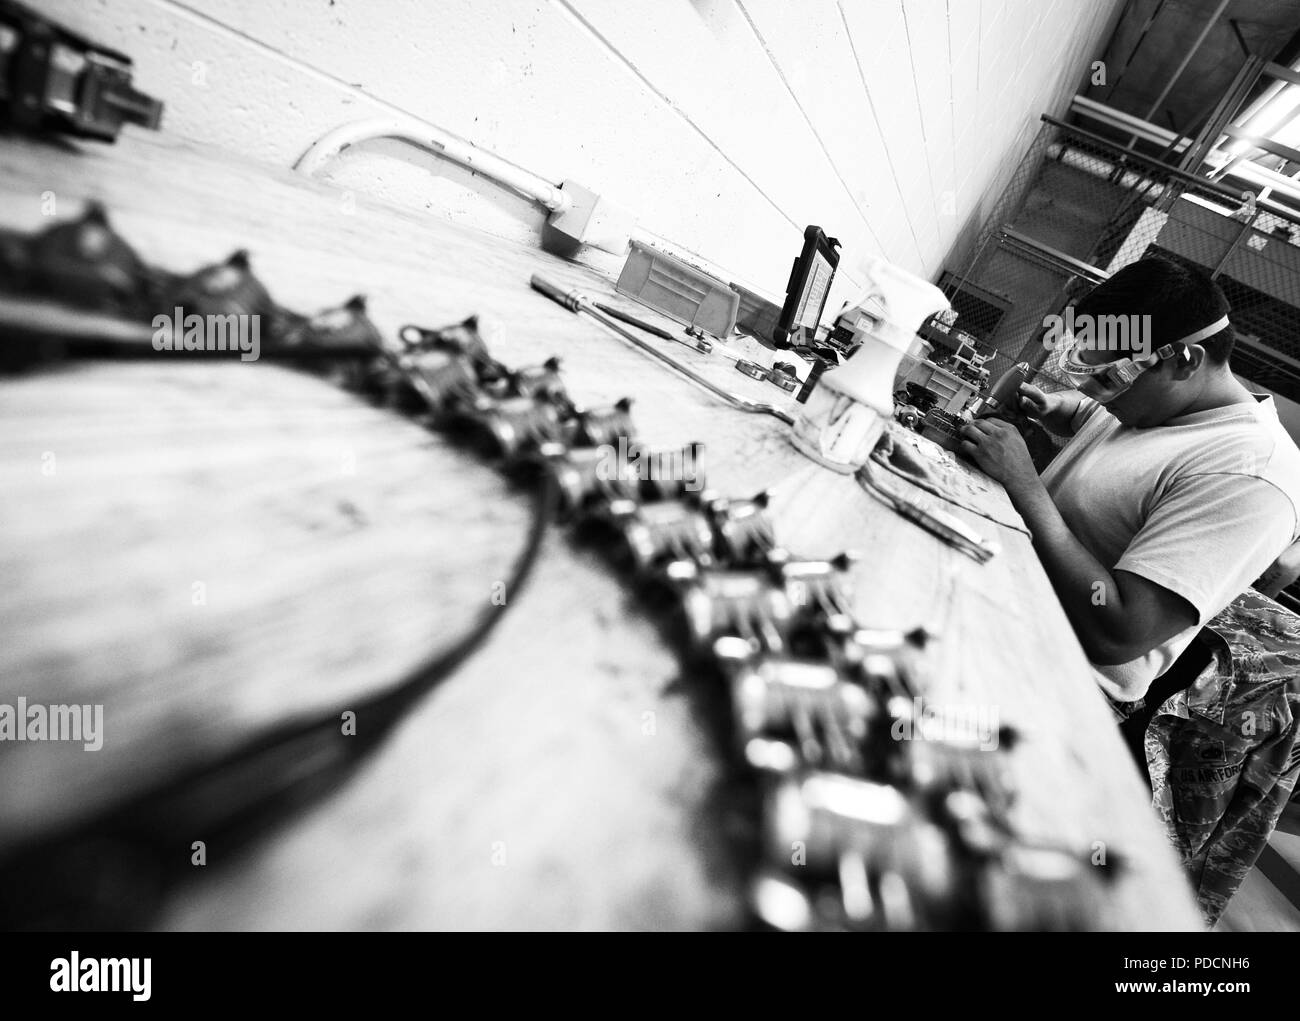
(576, 302)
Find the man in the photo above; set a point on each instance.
(1178, 488)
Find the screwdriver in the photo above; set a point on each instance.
(921, 511)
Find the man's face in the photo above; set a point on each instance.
(1151, 399)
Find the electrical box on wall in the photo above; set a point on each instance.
(588, 219)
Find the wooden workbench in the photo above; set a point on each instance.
(560, 779)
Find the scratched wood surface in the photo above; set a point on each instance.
(561, 778)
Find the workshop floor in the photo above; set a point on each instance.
(1269, 898)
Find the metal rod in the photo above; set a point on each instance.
(1187, 58)
(1134, 157)
(1287, 74)
(695, 343)
(1221, 116)
(631, 320)
(1142, 35)
(1247, 227)
(1094, 273)
(576, 302)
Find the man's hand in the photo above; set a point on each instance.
(1054, 412)
(999, 449)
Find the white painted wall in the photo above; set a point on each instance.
(726, 125)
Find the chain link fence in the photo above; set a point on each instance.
(1079, 207)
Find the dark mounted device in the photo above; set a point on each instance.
(808, 289)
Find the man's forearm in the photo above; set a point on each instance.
(1087, 590)
(1117, 615)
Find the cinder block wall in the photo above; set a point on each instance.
(726, 125)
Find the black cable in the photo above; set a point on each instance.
(112, 871)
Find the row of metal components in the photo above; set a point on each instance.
(861, 829)
(865, 825)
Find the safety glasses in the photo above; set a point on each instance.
(1105, 381)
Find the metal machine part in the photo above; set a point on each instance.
(54, 79)
(596, 426)
(943, 428)
(870, 859)
(621, 470)
(540, 382)
(698, 340)
(583, 476)
(751, 369)
(78, 287)
(815, 586)
(513, 426)
(807, 702)
(744, 532)
(224, 288)
(886, 661)
(671, 473)
(345, 329)
(784, 375)
(718, 603)
(658, 534)
(445, 381)
(463, 337)
(83, 261)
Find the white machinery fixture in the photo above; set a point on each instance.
(847, 413)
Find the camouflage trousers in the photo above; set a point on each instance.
(1224, 754)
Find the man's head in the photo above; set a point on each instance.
(1161, 312)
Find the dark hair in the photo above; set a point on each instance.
(1180, 299)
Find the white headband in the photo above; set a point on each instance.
(1208, 331)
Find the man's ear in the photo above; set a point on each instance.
(1187, 360)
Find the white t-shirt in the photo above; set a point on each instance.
(1201, 505)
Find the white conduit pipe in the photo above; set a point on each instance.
(439, 142)
(443, 143)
